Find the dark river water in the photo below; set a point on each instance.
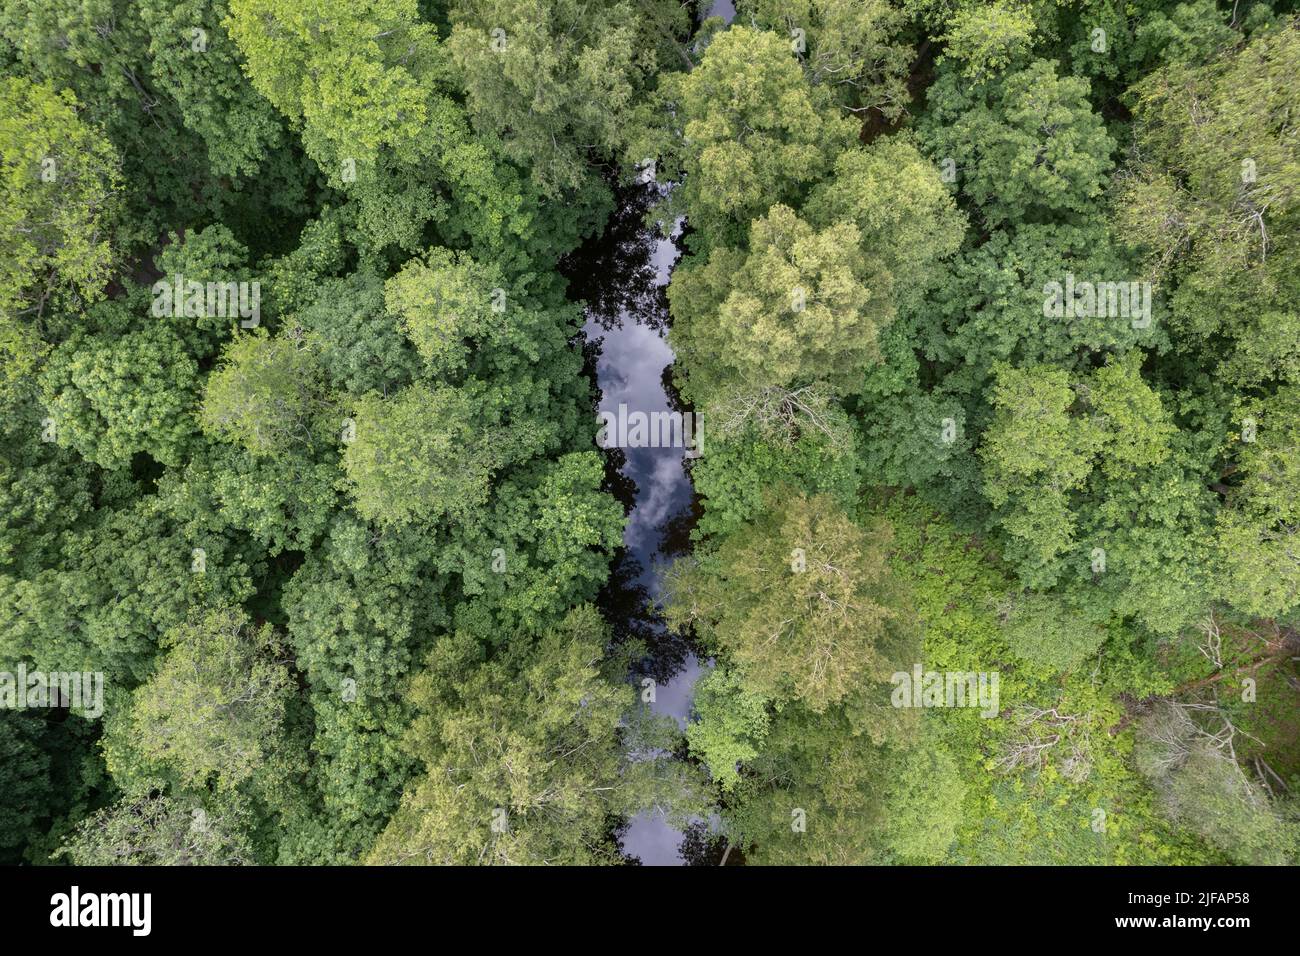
(622, 275)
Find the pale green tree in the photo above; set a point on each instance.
(801, 601)
(60, 181)
(212, 713)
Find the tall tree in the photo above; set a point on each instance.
(61, 177)
(801, 601)
(748, 132)
(212, 713)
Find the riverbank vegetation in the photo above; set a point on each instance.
(988, 311)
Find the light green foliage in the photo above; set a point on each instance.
(556, 80)
(1256, 532)
(213, 711)
(848, 46)
(99, 50)
(1036, 451)
(809, 299)
(803, 304)
(905, 214)
(266, 396)
(1018, 811)
(1056, 453)
(1212, 201)
(1137, 426)
(157, 831)
(1157, 532)
(801, 600)
(357, 78)
(425, 454)
(730, 726)
(20, 354)
(375, 93)
(194, 60)
(1046, 633)
(60, 180)
(445, 302)
(988, 38)
(924, 805)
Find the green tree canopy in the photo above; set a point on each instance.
(801, 600)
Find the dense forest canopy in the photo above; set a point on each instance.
(990, 310)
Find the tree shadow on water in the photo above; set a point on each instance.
(637, 630)
(614, 273)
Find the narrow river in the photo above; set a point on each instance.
(622, 276)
